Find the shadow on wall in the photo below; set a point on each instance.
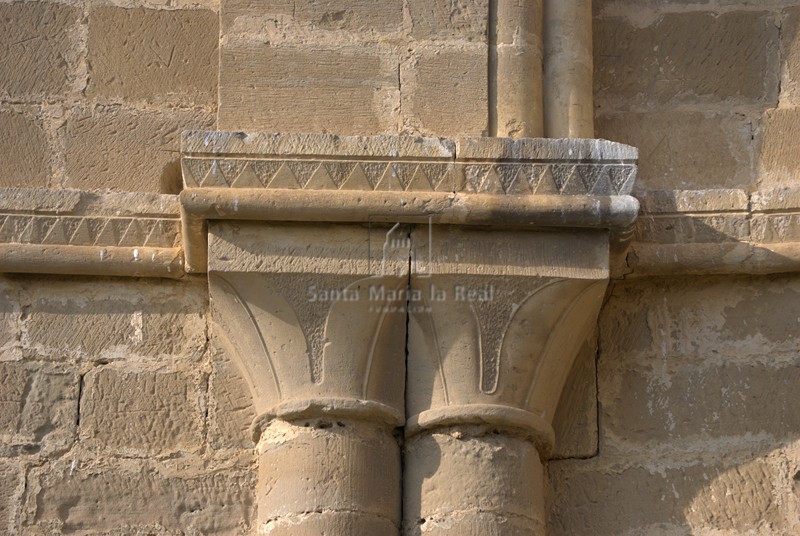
(699, 428)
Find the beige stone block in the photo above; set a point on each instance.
(575, 420)
(294, 144)
(356, 17)
(775, 228)
(136, 412)
(79, 319)
(778, 150)
(790, 57)
(112, 148)
(38, 409)
(445, 91)
(13, 482)
(687, 58)
(659, 202)
(10, 312)
(349, 90)
(679, 229)
(776, 200)
(37, 42)
(231, 405)
(649, 409)
(126, 496)
(685, 150)
(149, 54)
(715, 319)
(24, 150)
(737, 496)
(465, 20)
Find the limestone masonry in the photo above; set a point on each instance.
(399, 267)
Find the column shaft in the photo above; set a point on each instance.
(568, 102)
(516, 69)
(472, 481)
(328, 476)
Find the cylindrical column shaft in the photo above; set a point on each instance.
(472, 481)
(568, 103)
(328, 476)
(516, 69)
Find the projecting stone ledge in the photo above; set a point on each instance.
(81, 233)
(335, 262)
(530, 166)
(527, 183)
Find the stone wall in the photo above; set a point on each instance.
(696, 376)
(707, 90)
(94, 95)
(117, 415)
(115, 418)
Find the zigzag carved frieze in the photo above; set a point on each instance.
(540, 178)
(89, 231)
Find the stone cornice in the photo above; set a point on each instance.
(74, 232)
(716, 232)
(529, 183)
(139, 234)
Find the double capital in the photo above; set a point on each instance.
(416, 281)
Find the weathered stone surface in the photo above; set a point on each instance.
(10, 313)
(779, 148)
(329, 466)
(444, 488)
(666, 408)
(13, 481)
(737, 496)
(136, 412)
(299, 18)
(678, 229)
(139, 497)
(715, 200)
(676, 148)
(790, 56)
(687, 58)
(77, 319)
(111, 148)
(445, 90)
(231, 411)
(575, 420)
(36, 47)
(775, 228)
(785, 200)
(742, 320)
(350, 90)
(464, 20)
(24, 150)
(153, 55)
(290, 144)
(38, 409)
(545, 149)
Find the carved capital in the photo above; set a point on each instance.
(334, 262)
(501, 318)
(314, 315)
